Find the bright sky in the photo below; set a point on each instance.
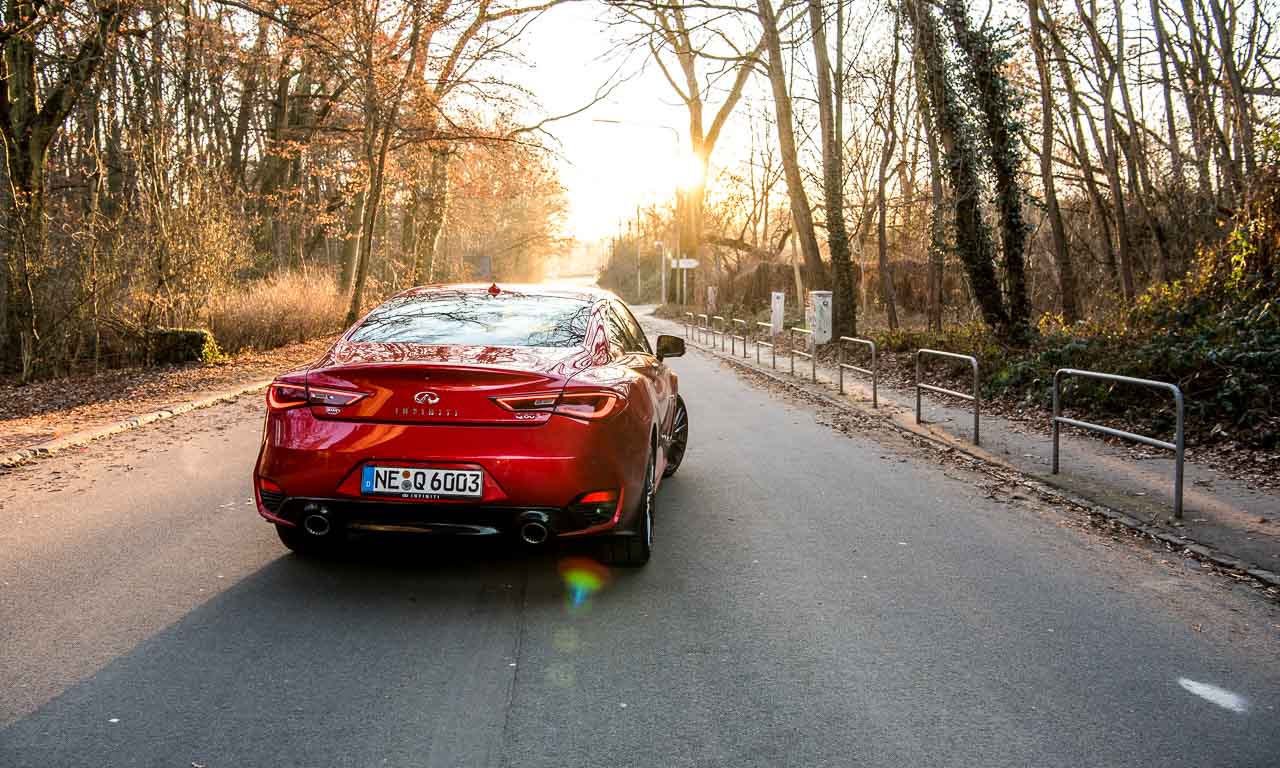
(607, 168)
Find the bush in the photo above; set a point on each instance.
(281, 309)
(1215, 333)
(169, 346)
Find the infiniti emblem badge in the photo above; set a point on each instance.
(429, 398)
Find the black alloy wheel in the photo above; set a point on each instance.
(679, 438)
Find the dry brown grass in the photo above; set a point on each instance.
(285, 308)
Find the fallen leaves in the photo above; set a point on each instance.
(38, 412)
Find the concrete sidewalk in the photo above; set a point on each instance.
(1218, 511)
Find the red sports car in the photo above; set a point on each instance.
(477, 410)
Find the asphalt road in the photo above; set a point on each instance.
(815, 599)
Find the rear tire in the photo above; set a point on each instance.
(302, 543)
(679, 438)
(633, 550)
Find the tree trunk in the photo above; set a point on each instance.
(1110, 152)
(890, 129)
(937, 223)
(845, 306)
(882, 252)
(997, 103)
(1206, 64)
(436, 205)
(28, 126)
(409, 235)
(1140, 185)
(1171, 125)
(25, 167)
(800, 213)
(364, 259)
(1193, 101)
(351, 244)
(1243, 111)
(377, 164)
(1081, 150)
(1061, 259)
(973, 239)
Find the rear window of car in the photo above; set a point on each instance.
(463, 317)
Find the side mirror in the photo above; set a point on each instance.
(670, 346)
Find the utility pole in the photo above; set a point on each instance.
(637, 254)
(662, 270)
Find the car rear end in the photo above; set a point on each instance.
(452, 411)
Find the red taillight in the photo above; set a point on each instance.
(334, 397)
(539, 402)
(599, 497)
(593, 404)
(282, 396)
(598, 507)
(589, 405)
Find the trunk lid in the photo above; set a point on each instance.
(433, 384)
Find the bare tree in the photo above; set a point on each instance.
(29, 121)
(801, 214)
(704, 56)
(889, 125)
(1066, 273)
(829, 84)
(973, 239)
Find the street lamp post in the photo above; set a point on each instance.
(665, 263)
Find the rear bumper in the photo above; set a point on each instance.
(540, 468)
(446, 519)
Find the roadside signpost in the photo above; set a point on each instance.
(818, 315)
(777, 305)
(684, 265)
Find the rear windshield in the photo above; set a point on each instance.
(463, 317)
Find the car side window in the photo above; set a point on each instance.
(639, 342)
(619, 340)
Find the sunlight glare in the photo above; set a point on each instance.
(691, 172)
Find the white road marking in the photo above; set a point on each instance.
(1220, 696)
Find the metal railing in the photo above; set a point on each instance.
(1177, 446)
(768, 329)
(813, 358)
(975, 397)
(701, 334)
(842, 366)
(688, 325)
(734, 338)
(718, 331)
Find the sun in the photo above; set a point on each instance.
(617, 169)
(690, 171)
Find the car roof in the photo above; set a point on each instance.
(583, 293)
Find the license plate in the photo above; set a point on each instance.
(422, 483)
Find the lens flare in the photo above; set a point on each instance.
(583, 577)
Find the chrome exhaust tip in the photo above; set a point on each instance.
(317, 524)
(534, 533)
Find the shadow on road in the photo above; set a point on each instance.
(417, 638)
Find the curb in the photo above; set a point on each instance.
(77, 439)
(1187, 546)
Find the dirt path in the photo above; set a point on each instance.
(48, 410)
